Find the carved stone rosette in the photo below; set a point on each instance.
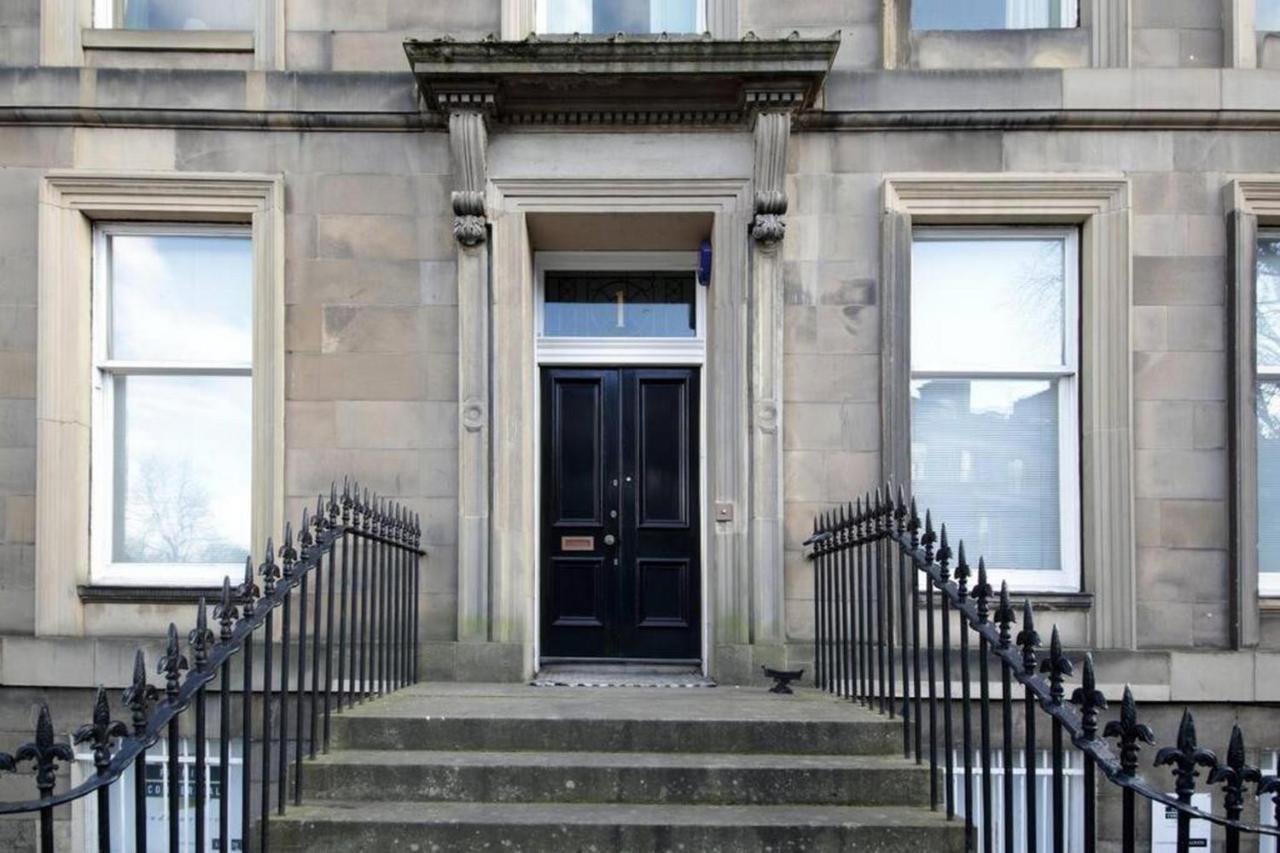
(469, 226)
(768, 225)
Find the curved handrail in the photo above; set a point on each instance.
(899, 523)
(348, 520)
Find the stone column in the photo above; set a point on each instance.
(468, 139)
(768, 228)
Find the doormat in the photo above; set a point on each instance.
(620, 677)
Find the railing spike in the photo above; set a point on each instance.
(225, 611)
(200, 637)
(172, 663)
(101, 732)
(44, 752)
(1056, 666)
(1184, 758)
(1089, 699)
(944, 554)
(961, 572)
(1028, 639)
(1004, 616)
(1129, 733)
(981, 593)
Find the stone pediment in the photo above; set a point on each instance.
(621, 80)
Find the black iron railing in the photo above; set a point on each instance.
(346, 596)
(885, 607)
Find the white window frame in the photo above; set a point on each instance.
(103, 569)
(540, 18)
(1067, 377)
(1268, 582)
(592, 351)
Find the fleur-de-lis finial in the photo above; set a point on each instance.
(1233, 774)
(1057, 666)
(1129, 733)
(856, 520)
(335, 508)
(1184, 758)
(900, 511)
(346, 501)
(1028, 639)
(269, 570)
(981, 593)
(225, 611)
(248, 590)
(172, 663)
(913, 525)
(318, 521)
(928, 538)
(944, 555)
(200, 637)
(1090, 700)
(304, 540)
(962, 572)
(44, 752)
(1004, 616)
(101, 732)
(140, 696)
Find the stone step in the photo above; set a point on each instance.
(616, 777)
(501, 718)
(317, 827)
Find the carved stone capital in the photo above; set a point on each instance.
(768, 225)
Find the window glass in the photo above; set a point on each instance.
(188, 14)
(987, 302)
(181, 298)
(173, 418)
(993, 14)
(994, 396)
(620, 16)
(619, 305)
(1268, 409)
(985, 461)
(1267, 16)
(182, 469)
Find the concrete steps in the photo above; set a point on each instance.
(516, 768)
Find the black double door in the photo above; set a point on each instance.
(620, 569)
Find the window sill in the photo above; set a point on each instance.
(120, 594)
(1049, 601)
(223, 41)
(1269, 605)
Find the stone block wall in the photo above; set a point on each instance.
(1178, 33)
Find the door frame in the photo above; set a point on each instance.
(620, 352)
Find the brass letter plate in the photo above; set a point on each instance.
(577, 543)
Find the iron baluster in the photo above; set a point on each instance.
(899, 520)
(171, 666)
(944, 594)
(819, 636)
(1004, 621)
(981, 595)
(139, 697)
(331, 525)
(362, 555)
(913, 529)
(883, 543)
(1129, 733)
(247, 593)
(318, 552)
(962, 580)
(844, 602)
(270, 574)
(225, 612)
(200, 639)
(1056, 666)
(99, 734)
(877, 600)
(927, 540)
(1091, 701)
(1183, 759)
(348, 601)
(417, 604)
(44, 753)
(867, 570)
(288, 557)
(1029, 641)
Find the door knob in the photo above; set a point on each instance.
(609, 539)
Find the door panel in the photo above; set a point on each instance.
(620, 528)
